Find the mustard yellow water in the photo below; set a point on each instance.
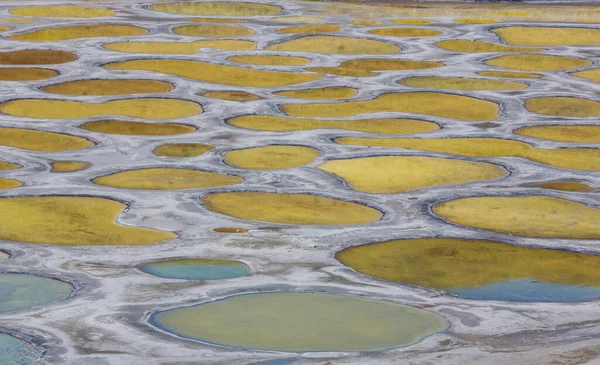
(406, 32)
(109, 87)
(217, 8)
(218, 74)
(379, 126)
(230, 230)
(537, 62)
(80, 31)
(213, 31)
(62, 11)
(26, 74)
(341, 71)
(460, 83)
(469, 46)
(36, 57)
(476, 20)
(180, 47)
(527, 216)
(32, 140)
(271, 157)
(549, 36)
(566, 186)
(300, 209)
(137, 128)
(300, 322)
(334, 45)
(9, 166)
(427, 103)
(563, 133)
(563, 106)
(325, 93)
(166, 179)
(68, 166)
(375, 64)
(71, 221)
(15, 20)
(145, 108)
(9, 184)
(592, 75)
(366, 22)
(231, 95)
(586, 159)
(397, 174)
(446, 263)
(215, 20)
(311, 29)
(298, 19)
(509, 74)
(267, 60)
(182, 149)
(410, 21)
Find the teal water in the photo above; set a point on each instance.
(529, 290)
(14, 351)
(196, 269)
(22, 291)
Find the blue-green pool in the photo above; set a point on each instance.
(22, 291)
(196, 269)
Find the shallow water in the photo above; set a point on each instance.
(326, 93)
(196, 269)
(549, 36)
(137, 128)
(300, 322)
(69, 166)
(9, 183)
(566, 186)
(527, 216)
(537, 62)
(71, 221)
(528, 290)
(569, 158)
(214, 73)
(108, 87)
(561, 106)
(290, 208)
(80, 31)
(26, 74)
(269, 60)
(458, 83)
(182, 150)
(14, 351)
(151, 108)
(271, 157)
(380, 126)
(36, 57)
(396, 174)
(426, 103)
(217, 8)
(231, 95)
(179, 47)
(335, 45)
(476, 269)
(166, 179)
(22, 291)
(62, 12)
(282, 132)
(33, 140)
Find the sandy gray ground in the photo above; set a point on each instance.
(105, 323)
